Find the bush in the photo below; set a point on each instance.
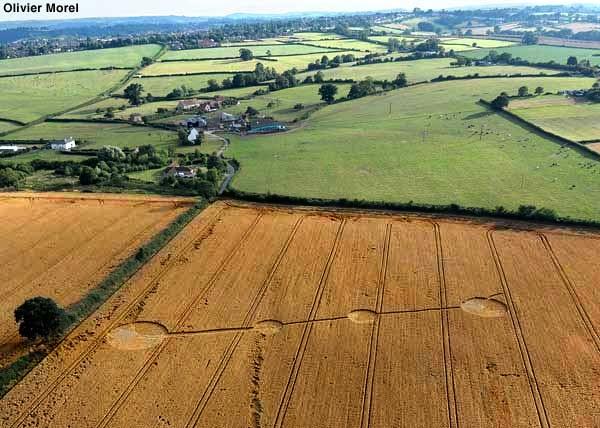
(39, 317)
(88, 176)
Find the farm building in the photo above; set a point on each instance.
(265, 126)
(194, 122)
(64, 146)
(189, 104)
(11, 149)
(180, 172)
(136, 118)
(193, 136)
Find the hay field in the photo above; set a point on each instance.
(26, 98)
(115, 57)
(421, 70)
(262, 317)
(542, 53)
(349, 44)
(481, 43)
(161, 86)
(281, 64)
(234, 52)
(562, 116)
(62, 245)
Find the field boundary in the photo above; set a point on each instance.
(538, 217)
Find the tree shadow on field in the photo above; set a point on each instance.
(478, 115)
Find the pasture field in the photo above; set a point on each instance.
(89, 112)
(7, 126)
(280, 104)
(43, 154)
(308, 36)
(349, 44)
(542, 53)
(385, 39)
(26, 98)
(234, 52)
(247, 319)
(431, 144)
(481, 43)
(577, 121)
(97, 135)
(281, 64)
(269, 41)
(129, 57)
(420, 70)
(48, 235)
(161, 86)
(388, 29)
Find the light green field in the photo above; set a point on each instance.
(280, 104)
(314, 36)
(420, 70)
(89, 112)
(149, 175)
(234, 52)
(117, 57)
(458, 48)
(538, 53)
(161, 86)
(271, 41)
(481, 43)
(430, 144)
(208, 66)
(26, 98)
(210, 145)
(561, 116)
(385, 39)
(280, 64)
(387, 29)
(7, 126)
(44, 154)
(97, 135)
(349, 44)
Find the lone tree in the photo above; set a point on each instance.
(328, 92)
(500, 102)
(39, 317)
(134, 93)
(572, 60)
(246, 54)
(539, 90)
(146, 61)
(523, 91)
(400, 80)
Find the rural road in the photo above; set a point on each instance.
(230, 169)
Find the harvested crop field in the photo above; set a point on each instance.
(257, 316)
(62, 245)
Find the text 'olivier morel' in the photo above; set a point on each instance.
(38, 8)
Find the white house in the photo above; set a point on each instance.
(193, 136)
(11, 149)
(64, 146)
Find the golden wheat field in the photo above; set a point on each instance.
(62, 245)
(260, 316)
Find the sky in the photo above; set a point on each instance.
(113, 8)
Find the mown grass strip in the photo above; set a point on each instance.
(79, 311)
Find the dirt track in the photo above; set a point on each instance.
(373, 321)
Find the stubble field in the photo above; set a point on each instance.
(258, 316)
(61, 246)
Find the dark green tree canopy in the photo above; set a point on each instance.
(39, 317)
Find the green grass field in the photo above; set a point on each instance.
(389, 30)
(578, 121)
(280, 64)
(27, 98)
(117, 57)
(280, 104)
(96, 135)
(429, 144)
(233, 52)
(43, 154)
(7, 126)
(481, 43)
(349, 44)
(89, 112)
(538, 53)
(161, 86)
(420, 70)
(385, 39)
